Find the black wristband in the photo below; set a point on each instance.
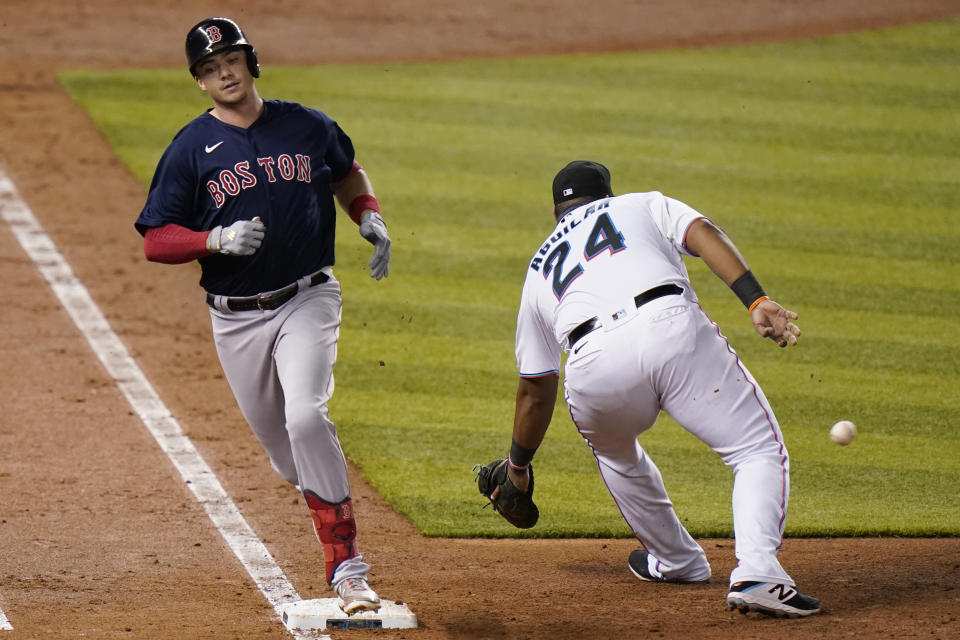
(520, 457)
(747, 289)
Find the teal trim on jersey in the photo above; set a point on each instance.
(833, 163)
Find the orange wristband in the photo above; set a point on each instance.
(758, 301)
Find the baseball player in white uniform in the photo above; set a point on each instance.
(609, 287)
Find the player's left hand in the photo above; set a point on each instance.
(374, 230)
(774, 322)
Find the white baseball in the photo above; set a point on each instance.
(843, 432)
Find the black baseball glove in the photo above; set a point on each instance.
(514, 505)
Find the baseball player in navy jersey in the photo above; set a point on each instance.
(248, 189)
(609, 287)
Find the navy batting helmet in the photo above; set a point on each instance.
(215, 34)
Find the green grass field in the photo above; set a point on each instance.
(833, 163)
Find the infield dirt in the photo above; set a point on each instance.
(100, 537)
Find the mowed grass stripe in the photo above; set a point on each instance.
(865, 384)
(769, 173)
(926, 249)
(906, 329)
(468, 323)
(921, 211)
(853, 295)
(866, 354)
(438, 328)
(444, 290)
(893, 417)
(410, 342)
(936, 276)
(821, 212)
(756, 72)
(800, 128)
(929, 47)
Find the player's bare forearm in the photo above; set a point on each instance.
(708, 241)
(354, 185)
(720, 254)
(536, 398)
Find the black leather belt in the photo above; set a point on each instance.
(266, 301)
(587, 326)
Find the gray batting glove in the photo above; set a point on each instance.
(373, 229)
(242, 238)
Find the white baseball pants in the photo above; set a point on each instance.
(669, 355)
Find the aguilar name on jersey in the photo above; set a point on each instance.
(280, 168)
(599, 256)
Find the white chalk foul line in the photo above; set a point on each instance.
(75, 298)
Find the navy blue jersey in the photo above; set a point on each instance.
(281, 169)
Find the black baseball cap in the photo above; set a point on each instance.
(581, 178)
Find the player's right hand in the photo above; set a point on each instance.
(242, 238)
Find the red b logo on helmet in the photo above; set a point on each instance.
(213, 33)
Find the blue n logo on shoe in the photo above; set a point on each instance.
(782, 597)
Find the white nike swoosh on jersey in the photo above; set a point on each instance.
(212, 148)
